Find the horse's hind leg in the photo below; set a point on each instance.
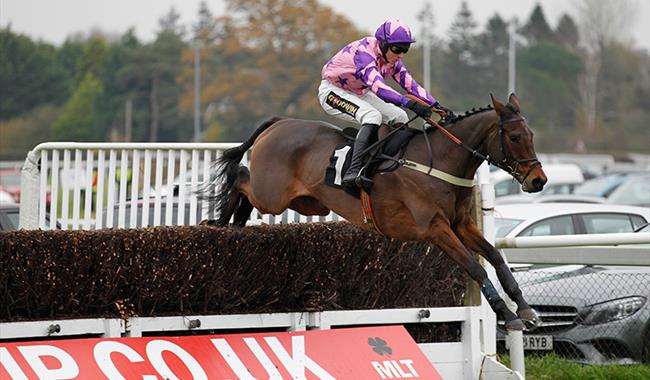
(236, 204)
(441, 235)
(475, 241)
(243, 211)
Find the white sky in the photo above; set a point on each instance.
(54, 20)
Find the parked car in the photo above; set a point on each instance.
(589, 313)
(542, 219)
(10, 182)
(552, 198)
(6, 198)
(601, 186)
(634, 191)
(562, 179)
(594, 314)
(9, 217)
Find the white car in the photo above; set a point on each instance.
(542, 219)
(562, 179)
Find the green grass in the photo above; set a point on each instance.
(552, 367)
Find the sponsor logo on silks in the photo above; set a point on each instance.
(391, 369)
(341, 104)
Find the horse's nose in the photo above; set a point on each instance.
(538, 183)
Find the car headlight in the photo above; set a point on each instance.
(611, 310)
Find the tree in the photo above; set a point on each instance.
(30, 75)
(601, 21)
(205, 30)
(461, 64)
(567, 33)
(548, 87)
(265, 60)
(492, 57)
(78, 121)
(624, 101)
(165, 66)
(537, 29)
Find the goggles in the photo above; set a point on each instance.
(398, 49)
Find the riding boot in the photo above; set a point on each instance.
(360, 144)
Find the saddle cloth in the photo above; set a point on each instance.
(383, 158)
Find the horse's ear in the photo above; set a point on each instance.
(514, 101)
(498, 106)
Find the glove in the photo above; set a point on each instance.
(419, 109)
(449, 113)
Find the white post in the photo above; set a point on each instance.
(30, 183)
(197, 91)
(514, 338)
(488, 330)
(512, 47)
(426, 17)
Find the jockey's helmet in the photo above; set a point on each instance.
(394, 32)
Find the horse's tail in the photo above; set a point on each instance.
(230, 174)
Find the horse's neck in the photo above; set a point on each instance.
(476, 132)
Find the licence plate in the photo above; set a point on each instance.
(538, 342)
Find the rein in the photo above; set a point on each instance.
(503, 164)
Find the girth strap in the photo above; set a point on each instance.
(368, 215)
(463, 182)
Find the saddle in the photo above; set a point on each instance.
(383, 156)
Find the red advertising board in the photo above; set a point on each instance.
(358, 353)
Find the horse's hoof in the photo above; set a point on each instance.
(530, 317)
(515, 325)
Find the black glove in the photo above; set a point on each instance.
(450, 113)
(419, 109)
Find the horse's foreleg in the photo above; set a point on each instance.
(444, 238)
(474, 240)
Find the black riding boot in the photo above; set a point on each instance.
(362, 141)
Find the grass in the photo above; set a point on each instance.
(552, 367)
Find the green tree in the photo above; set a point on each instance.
(548, 88)
(623, 101)
(78, 121)
(21, 134)
(117, 93)
(537, 29)
(165, 67)
(567, 33)
(492, 58)
(461, 64)
(30, 75)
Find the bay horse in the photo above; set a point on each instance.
(289, 157)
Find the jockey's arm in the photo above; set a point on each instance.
(404, 78)
(368, 72)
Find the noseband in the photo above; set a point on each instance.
(507, 157)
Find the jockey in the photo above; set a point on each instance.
(361, 66)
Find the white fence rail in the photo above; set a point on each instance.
(97, 185)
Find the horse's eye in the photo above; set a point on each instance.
(515, 138)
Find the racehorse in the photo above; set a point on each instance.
(289, 157)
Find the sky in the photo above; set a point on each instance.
(54, 20)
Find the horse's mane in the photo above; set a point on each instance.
(449, 121)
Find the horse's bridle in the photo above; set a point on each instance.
(503, 164)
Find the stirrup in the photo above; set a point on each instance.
(363, 182)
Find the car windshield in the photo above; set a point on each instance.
(600, 186)
(635, 192)
(503, 226)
